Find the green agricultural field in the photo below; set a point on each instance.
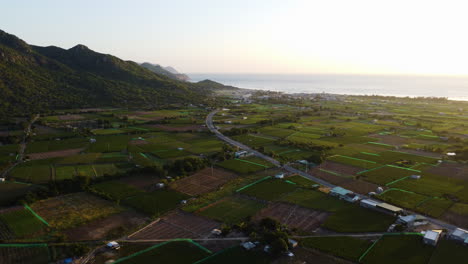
(236, 255)
(448, 251)
(403, 249)
(276, 132)
(85, 171)
(355, 219)
(10, 192)
(34, 174)
(55, 145)
(180, 252)
(431, 185)
(271, 189)
(254, 140)
(115, 190)
(232, 210)
(155, 203)
(109, 131)
(434, 207)
(345, 247)
(387, 174)
(404, 199)
(33, 254)
(23, 223)
(301, 181)
(459, 208)
(105, 169)
(315, 200)
(361, 163)
(64, 172)
(80, 159)
(242, 166)
(109, 143)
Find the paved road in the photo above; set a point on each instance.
(212, 128)
(22, 146)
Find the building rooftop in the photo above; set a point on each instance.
(389, 207)
(340, 191)
(432, 234)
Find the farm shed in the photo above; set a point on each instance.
(113, 245)
(388, 208)
(344, 194)
(248, 245)
(279, 176)
(368, 203)
(412, 220)
(459, 235)
(242, 153)
(431, 237)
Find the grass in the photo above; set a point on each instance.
(448, 251)
(74, 209)
(345, 247)
(180, 252)
(10, 192)
(64, 172)
(434, 207)
(403, 249)
(459, 208)
(270, 189)
(358, 219)
(239, 166)
(315, 200)
(386, 174)
(236, 255)
(155, 203)
(431, 185)
(232, 210)
(34, 174)
(115, 190)
(404, 199)
(301, 181)
(361, 163)
(80, 159)
(22, 223)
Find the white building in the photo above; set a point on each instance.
(248, 245)
(368, 203)
(242, 153)
(460, 235)
(279, 176)
(412, 220)
(113, 245)
(431, 237)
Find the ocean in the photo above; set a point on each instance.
(454, 88)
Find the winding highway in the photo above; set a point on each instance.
(212, 128)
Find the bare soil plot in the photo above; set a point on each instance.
(392, 139)
(54, 154)
(204, 181)
(70, 117)
(145, 182)
(335, 179)
(71, 210)
(98, 229)
(361, 187)
(177, 224)
(340, 168)
(138, 142)
(453, 170)
(293, 216)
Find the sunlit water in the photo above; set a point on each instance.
(455, 88)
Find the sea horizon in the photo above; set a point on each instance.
(450, 87)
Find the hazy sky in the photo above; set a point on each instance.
(258, 36)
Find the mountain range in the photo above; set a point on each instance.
(167, 71)
(36, 79)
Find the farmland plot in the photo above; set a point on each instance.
(37, 254)
(231, 210)
(204, 181)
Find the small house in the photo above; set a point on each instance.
(344, 194)
(113, 245)
(459, 235)
(293, 243)
(279, 176)
(248, 245)
(412, 220)
(228, 122)
(369, 203)
(242, 153)
(415, 177)
(2, 179)
(180, 149)
(216, 232)
(92, 140)
(160, 185)
(431, 237)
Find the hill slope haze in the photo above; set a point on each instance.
(34, 79)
